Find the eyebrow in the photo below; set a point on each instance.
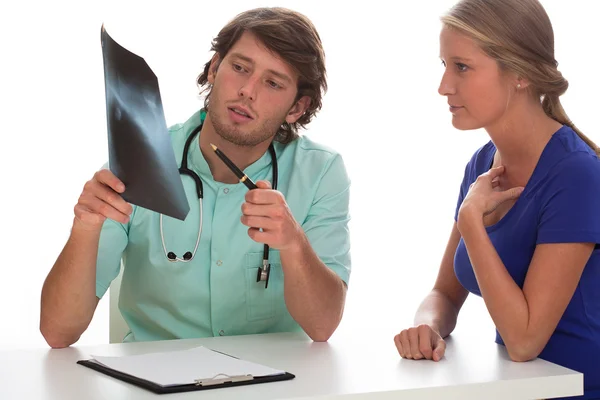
(271, 71)
(460, 59)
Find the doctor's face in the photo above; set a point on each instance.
(253, 93)
(478, 91)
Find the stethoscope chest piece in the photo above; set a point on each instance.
(263, 273)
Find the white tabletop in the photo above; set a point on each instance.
(366, 368)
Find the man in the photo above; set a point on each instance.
(264, 82)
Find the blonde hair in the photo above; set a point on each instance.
(518, 35)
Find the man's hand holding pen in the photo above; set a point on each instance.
(269, 218)
(266, 213)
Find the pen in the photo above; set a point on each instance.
(242, 177)
(264, 271)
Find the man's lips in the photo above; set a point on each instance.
(241, 111)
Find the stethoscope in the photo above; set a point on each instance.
(263, 272)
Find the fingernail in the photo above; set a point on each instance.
(120, 187)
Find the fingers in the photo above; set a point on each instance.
(420, 343)
(87, 217)
(405, 344)
(398, 344)
(265, 195)
(96, 201)
(273, 215)
(263, 185)
(513, 193)
(264, 223)
(425, 345)
(257, 209)
(413, 337)
(506, 195)
(101, 199)
(495, 172)
(495, 183)
(108, 196)
(106, 177)
(260, 236)
(439, 349)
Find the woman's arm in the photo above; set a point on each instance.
(436, 317)
(525, 318)
(441, 306)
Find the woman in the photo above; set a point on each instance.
(527, 222)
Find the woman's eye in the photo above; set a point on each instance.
(461, 67)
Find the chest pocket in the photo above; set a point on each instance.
(263, 303)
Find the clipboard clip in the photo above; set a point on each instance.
(215, 380)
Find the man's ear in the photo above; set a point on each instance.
(212, 70)
(297, 110)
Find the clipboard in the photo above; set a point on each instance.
(219, 380)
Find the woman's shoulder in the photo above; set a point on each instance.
(572, 158)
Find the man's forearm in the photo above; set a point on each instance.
(68, 298)
(314, 294)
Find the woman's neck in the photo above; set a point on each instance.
(520, 138)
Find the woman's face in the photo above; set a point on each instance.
(478, 91)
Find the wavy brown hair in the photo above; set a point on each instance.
(518, 34)
(291, 36)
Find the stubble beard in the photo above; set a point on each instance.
(234, 134)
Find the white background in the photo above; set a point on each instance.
(382, 112)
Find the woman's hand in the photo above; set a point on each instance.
(484, 197)
(420, 342)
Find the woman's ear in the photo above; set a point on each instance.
(521, 83)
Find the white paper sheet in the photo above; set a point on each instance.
(184, 366)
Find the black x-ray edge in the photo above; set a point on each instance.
(139, 146)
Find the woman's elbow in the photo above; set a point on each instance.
(522, 352)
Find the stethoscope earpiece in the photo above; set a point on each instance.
(173, 257)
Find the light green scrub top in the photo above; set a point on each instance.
(217, 293)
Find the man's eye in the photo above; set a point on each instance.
(273, 84)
